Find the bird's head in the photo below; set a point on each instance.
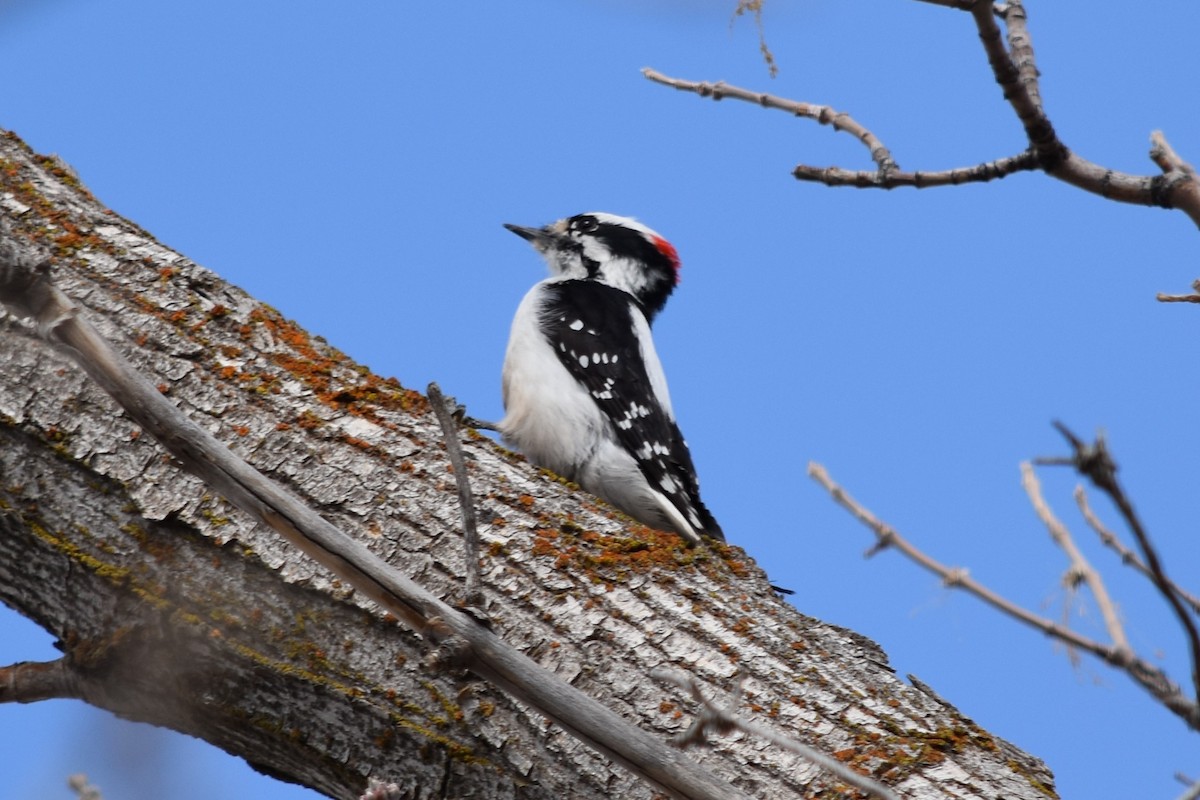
(617, 251)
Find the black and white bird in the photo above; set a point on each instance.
(584, 391)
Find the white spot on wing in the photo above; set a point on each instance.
(583, 361)
(576, 325)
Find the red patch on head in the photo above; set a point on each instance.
(668, 250)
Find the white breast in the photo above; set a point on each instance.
(548, 415)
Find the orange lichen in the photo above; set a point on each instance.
(334, 379)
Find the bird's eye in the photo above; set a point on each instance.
(584, 224)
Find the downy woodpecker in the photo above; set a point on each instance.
(584, 391)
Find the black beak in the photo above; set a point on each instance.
(534, 235)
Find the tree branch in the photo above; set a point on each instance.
(1015, 69)
(26, 288)
(1149, 677)
(1194, 297)
(1095, 462)
(862, 179)
(34, 681)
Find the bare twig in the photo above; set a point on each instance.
(720, 719)
(1194, 297)
(1149, 677)
(825, 115)
(1080, 568)
(1015, 69)
(472, 595)
(1112, 541)
(1165, 156)
(26, 288)
(1095, 462)
(1186, 188)
(980, 173)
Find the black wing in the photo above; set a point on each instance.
(592, 330)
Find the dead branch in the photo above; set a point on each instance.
(26, 288)
(1112, 541)
(1145, 674)
(721, 719)
(1095, 462)
(1080, 569)
(472, 595)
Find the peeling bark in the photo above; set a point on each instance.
(176, 610)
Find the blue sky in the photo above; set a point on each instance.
(351, 165)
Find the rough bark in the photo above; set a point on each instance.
(176, 610)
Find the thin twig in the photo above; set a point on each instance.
(1149, 677)
(1080, 567)
(1095, 462)
(980, 173)
(1163, 154)
(1112, 541)
(825, 115)
(472, 595)
(25, 287)
(720, 719)
(1194, 297)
